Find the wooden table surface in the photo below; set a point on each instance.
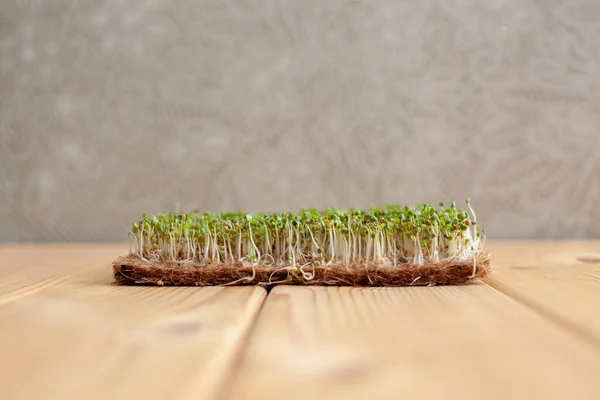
(532, 330)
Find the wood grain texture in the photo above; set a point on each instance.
(462, 342)
(87, 338)
(551, 253)
(26, 269)
(558, 279)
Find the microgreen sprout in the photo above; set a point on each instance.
(385, 237)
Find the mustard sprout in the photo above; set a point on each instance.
(382, 236)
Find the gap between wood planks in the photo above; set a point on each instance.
(134, 340)
(64, 290)
(544, 312)
(415, 341)
(553, 317)
(28, 269)
(559, 280)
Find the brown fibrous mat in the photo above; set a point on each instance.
(130, 270)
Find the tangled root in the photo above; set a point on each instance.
(129, 270)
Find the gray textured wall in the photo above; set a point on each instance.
(112, 108)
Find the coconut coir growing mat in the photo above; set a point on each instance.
(389, 246)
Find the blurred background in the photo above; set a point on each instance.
(113, 108)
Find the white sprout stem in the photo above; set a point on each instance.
(142, 241)
(312, 238)
(206, 245)
(415, 237)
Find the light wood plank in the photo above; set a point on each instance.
(26, 269)
(87, 338)
(548, 253)
(558, 279)
(456, 342)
